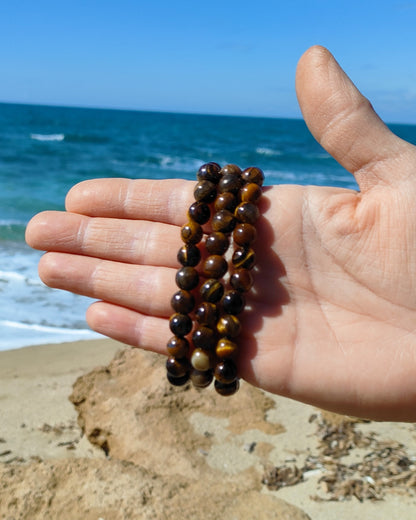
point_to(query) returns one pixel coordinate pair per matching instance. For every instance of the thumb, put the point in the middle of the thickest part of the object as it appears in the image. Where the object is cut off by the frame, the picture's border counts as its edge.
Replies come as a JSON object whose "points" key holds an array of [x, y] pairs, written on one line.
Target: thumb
{"points": [[345, 124]]}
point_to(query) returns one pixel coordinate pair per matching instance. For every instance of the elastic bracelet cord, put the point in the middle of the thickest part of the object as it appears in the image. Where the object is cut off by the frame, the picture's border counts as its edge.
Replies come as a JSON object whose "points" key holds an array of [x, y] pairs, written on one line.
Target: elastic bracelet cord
{"points": [[207, 349]]}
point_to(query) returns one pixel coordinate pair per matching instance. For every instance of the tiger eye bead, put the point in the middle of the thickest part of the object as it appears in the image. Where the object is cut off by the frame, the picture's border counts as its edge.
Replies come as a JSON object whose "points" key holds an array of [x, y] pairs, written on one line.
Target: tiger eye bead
{"points": [[226, 349], [217, 243], [250, 192], [178, 381], [229, 326], [226, 200], [191, 232], [209, 172], [233, 302], [247, 212], [207, 314], [187, 278], [212, 290], [180, 324], [215, 266], [205, 338], [226, 371], [199, 212], [231, 168], [227, 389], [253, 174], [201, 360], [223, 221], [230, 182], [178, 347], [177, 367], [205, 191], [244, 234], [189, 254], [201, 379], [243, 257], [241, 280], [183, 302]]}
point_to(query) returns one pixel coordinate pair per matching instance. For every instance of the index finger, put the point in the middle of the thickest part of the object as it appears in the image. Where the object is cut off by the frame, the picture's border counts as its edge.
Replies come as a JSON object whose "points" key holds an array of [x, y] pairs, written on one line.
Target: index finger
{"points": [[156, 200]]}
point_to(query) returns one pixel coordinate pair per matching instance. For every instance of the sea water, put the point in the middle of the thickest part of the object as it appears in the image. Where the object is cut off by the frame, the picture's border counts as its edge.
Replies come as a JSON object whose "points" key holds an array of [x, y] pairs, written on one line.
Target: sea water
{"points": [[46, 150]]}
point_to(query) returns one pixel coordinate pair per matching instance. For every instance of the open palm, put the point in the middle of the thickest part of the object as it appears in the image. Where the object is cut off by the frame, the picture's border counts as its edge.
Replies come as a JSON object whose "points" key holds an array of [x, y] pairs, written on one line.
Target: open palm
{"points": [[332, 318]]}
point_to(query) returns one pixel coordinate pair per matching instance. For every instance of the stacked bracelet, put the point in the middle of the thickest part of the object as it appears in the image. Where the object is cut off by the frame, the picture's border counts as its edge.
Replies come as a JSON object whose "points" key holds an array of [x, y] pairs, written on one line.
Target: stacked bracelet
{"points": [[214, 302]]}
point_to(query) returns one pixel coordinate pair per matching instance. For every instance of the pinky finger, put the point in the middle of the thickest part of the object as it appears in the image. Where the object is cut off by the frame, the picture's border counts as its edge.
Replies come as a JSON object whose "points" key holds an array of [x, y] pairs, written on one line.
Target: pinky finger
{"points": [[128, 326]]}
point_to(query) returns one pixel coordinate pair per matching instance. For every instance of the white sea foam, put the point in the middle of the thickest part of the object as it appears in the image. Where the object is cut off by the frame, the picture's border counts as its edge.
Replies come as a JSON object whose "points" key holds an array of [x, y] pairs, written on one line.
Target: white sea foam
{"points": [[263, 150], [47, 137]]}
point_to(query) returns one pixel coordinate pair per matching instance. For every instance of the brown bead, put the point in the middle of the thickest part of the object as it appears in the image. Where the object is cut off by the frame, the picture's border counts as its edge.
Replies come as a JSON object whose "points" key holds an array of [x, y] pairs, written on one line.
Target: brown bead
{"points": [[227, 389], [226, 371], [226, 349], [207, 314], [180, 324], [233, 302], [178, 381], [223, 221], [247, 212], [201, 379], [231, 168], [230, 182], [178, 347], [250, 192], [225, 200], [241, 280], [215, 266], [244, 257], [217, 243], [199, 212], [205, 338], [201, 360], [183, 302], [205, 191], [244, 234], [177, 367], [191, 232], [209, 172], [187, 278], [189, 254], [253, 174], [212, 290], [229, 326]]}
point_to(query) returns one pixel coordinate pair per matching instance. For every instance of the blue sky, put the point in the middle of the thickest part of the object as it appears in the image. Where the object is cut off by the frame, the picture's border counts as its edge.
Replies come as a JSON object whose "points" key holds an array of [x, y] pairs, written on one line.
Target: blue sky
{"points": [[218, 56]]}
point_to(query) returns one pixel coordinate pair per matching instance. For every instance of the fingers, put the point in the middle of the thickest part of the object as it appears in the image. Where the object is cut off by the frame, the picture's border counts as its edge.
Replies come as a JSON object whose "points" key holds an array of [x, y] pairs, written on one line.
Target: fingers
{"points": [[141, 288], [345, 124], [157, 200], [140, 242]]}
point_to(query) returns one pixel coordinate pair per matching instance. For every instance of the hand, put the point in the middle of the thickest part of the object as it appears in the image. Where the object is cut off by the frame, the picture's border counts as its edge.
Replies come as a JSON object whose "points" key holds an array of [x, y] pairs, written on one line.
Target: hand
{"points": [[333, 319]]}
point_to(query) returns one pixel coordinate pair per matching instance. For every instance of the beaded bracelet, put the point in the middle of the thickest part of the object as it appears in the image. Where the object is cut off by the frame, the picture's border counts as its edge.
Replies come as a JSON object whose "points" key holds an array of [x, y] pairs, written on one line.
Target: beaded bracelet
{"points": [[211, 352]]}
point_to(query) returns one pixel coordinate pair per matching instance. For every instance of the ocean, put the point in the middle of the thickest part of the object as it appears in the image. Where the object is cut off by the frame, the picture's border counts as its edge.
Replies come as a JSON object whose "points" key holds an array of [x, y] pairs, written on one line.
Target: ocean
{"points": [[46, 150]]}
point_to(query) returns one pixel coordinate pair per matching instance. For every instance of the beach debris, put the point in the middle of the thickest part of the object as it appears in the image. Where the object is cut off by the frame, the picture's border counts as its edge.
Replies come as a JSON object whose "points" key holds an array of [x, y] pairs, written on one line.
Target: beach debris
{"points": [[383, 466]]}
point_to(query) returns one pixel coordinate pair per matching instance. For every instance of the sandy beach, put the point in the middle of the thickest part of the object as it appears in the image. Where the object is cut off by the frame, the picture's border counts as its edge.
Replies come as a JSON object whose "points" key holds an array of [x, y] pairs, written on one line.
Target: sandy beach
{"points": [[92, 430]]}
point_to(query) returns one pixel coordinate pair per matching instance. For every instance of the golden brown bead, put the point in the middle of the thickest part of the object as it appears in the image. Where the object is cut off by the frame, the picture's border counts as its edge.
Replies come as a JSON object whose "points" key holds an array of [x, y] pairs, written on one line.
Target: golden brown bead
{"points": [[243, 257], [233, 302], [177, 367], [253, 174], [191, 232], [226, 349], [199, 212], [212, 290], [187, 278], [223, 221], [225, 371], [207, 314], [229, 326], [201, 379], [247, 212], [204, 337], [244, 234], [226, 200], [178, 347], [201, 360], [241, 280], [231, 168], [180, 324], [250, 192], [189, 254], [183, 302], [209, 172], [230, 182], [205, 191], [227, 389], [178, 381], [215, 266], [217, 243]]}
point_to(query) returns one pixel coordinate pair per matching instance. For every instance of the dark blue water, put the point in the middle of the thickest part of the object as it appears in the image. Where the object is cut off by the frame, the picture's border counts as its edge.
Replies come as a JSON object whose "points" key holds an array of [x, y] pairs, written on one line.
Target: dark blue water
{"points": [[46, 150]]}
